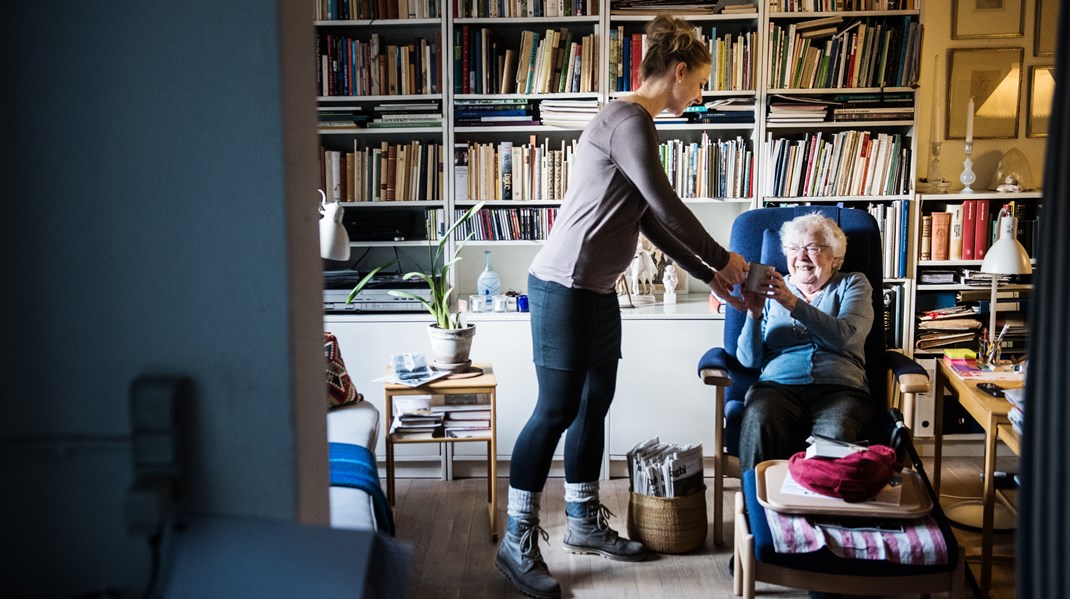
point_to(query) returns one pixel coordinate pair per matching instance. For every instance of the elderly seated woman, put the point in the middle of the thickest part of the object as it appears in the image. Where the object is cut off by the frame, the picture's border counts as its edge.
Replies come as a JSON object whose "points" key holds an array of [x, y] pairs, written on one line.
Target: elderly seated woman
{"points": [[806, 332]]}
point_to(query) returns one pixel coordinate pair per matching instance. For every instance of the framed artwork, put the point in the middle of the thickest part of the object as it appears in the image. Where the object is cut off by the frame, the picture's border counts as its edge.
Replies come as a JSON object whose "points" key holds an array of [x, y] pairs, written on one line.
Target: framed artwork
{"points": [[1041, 92], [1047, 27], [992, 77], [972, 19]]}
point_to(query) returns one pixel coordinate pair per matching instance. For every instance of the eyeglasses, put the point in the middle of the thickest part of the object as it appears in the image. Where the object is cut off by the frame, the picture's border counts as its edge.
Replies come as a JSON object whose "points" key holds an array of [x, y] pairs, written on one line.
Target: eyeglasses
{"points": [[812, 250]]}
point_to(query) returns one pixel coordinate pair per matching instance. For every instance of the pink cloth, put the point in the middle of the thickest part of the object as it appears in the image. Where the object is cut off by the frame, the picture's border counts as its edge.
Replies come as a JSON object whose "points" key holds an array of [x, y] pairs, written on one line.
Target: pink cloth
{"points": [[920, 541]]}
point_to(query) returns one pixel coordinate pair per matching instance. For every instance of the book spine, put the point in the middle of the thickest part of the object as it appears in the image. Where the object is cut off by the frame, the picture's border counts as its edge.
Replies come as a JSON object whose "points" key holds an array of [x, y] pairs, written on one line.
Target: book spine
{"points": [[941, 232], [980, 233]]}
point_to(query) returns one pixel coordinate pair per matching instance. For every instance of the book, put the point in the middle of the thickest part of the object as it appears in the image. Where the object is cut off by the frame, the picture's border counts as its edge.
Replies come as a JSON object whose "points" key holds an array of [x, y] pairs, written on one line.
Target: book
{"points": [[505, 170], [980, 232], [969, 224], [824, 447], [460, 171], [954, 240], [941, 232], [926, 243]]}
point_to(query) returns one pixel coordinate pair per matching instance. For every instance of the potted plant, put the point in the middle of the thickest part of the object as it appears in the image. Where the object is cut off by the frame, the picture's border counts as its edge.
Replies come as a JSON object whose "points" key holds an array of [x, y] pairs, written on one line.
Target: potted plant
{"points": [[450, 342]]}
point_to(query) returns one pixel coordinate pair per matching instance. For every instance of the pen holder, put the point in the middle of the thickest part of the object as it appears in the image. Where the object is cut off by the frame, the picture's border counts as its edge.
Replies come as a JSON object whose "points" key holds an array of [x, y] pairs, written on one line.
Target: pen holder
{"points": [[988, 355]]}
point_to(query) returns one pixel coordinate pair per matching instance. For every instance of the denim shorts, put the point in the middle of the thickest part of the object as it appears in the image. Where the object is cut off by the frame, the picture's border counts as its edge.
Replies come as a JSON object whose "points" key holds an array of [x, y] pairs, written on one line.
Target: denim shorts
{"points": [[571, 328]]}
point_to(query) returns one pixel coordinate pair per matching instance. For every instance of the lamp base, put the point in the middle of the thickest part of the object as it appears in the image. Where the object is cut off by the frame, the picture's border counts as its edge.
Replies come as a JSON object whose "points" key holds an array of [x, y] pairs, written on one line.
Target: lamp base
{"points": [[969, 515]]}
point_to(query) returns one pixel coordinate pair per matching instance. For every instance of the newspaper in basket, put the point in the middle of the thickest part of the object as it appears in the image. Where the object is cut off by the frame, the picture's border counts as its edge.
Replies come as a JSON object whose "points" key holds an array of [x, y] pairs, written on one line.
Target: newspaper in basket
{"points": [[667, 508]]}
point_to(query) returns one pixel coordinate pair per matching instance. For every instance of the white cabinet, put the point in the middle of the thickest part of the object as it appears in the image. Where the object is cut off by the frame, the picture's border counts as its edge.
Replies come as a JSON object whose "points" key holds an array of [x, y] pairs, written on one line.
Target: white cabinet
{"points": [[658, 390]]}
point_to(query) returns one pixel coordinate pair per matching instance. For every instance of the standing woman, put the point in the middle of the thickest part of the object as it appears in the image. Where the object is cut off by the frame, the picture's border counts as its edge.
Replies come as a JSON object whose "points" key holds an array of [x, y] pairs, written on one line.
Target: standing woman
{"points": [[618, 190]]}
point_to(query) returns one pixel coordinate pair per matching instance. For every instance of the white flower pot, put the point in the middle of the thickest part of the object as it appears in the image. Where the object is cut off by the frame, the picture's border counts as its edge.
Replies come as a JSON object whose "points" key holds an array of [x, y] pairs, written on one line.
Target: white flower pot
{"points": [[450, 348]]}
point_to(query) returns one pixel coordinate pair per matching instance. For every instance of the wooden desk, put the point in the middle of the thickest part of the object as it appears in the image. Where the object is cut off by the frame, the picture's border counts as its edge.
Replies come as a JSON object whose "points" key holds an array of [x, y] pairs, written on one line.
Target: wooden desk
{"points": [[482, 384], [990, 412]]}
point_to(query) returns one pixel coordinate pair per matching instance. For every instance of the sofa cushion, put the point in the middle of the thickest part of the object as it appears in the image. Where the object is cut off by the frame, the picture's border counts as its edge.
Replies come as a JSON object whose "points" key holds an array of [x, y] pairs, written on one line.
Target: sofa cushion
{"points": [[356, 423], [340, 388]]}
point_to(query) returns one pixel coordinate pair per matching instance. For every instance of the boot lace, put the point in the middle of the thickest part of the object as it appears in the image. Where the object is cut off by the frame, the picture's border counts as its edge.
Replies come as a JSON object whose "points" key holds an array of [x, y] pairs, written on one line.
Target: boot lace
{"points": [[602, 515], [529, 542]]}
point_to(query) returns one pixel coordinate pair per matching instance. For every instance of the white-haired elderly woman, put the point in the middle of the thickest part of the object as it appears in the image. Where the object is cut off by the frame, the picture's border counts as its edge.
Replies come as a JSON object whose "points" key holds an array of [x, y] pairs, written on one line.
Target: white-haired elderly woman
{"points": [[806, 332]]}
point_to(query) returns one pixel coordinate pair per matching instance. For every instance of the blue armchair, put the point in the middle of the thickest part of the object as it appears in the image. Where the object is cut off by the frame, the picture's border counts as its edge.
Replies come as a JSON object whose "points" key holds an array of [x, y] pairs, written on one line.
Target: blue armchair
{"points": [[756, 235]]}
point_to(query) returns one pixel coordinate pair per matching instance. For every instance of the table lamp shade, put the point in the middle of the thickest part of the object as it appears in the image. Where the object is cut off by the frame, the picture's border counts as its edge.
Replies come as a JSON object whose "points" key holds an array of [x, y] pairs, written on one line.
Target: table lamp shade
{"points": [[1007, 257], [334, 241]]}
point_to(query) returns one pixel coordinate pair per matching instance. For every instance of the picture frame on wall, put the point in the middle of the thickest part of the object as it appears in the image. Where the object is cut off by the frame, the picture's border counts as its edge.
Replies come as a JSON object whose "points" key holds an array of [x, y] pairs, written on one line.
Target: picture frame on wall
{"points": [[993, 78], [974, 19], [1047, 28], [1041, 94]]}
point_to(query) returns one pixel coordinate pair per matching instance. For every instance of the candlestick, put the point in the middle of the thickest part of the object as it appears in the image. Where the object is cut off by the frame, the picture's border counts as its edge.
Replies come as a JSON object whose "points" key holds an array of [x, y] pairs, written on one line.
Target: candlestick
{"points": [[967, 177], [935, 177], [969, 122]]}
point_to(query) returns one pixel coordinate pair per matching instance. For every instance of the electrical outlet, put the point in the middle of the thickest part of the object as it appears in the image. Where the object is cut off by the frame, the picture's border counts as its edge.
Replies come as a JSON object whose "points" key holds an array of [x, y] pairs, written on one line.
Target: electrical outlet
{"points": [[155, 402]]}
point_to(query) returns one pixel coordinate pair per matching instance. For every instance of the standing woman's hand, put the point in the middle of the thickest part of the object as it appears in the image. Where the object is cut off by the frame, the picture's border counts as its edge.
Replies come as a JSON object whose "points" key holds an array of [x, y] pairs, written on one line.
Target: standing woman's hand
{"points": [[733, 272]]}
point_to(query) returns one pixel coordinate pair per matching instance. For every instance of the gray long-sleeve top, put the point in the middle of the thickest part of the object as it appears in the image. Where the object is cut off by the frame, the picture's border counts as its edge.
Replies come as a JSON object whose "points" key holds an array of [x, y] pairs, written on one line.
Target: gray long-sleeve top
{"points": [[618, 189]]}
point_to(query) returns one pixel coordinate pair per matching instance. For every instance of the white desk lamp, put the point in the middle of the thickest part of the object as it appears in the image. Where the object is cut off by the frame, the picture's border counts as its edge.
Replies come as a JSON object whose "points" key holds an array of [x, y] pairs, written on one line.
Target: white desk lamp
{"points": [[334, 241], [1005, 257]]}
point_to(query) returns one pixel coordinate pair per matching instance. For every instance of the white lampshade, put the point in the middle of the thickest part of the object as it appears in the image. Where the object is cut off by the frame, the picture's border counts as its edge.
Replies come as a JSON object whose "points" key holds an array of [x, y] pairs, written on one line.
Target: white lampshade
{"points": [[334, 241], [1006, 256]]}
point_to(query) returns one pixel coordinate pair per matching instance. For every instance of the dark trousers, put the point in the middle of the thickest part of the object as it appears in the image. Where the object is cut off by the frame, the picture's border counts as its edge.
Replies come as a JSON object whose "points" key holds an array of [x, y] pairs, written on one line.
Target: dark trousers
{"points": [[576, 401], [777, 418]]}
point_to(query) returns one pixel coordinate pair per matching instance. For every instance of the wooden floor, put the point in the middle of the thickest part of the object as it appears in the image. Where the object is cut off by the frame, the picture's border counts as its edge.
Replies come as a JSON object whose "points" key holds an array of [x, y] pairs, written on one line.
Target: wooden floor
{"points": [[445, 523]]}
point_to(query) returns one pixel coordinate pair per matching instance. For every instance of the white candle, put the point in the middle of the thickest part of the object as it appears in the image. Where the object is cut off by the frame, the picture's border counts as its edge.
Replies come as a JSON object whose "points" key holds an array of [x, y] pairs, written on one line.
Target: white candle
{"points": [[934, 126], [969, 121]]}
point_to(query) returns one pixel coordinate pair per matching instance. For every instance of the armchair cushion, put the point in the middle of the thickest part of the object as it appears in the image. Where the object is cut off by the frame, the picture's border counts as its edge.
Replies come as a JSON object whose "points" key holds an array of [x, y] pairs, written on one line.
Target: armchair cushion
{"points": [[824, 560]]}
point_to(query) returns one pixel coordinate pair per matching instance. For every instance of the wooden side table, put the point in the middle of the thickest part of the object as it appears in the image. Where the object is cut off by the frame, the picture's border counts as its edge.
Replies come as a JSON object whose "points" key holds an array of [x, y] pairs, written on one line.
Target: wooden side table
{"points": [[482, 384], [991, 413]]}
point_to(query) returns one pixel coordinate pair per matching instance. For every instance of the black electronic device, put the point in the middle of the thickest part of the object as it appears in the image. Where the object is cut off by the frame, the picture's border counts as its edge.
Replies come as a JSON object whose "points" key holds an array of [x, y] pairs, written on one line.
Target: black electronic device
{"points": [[385, 225], [991, 388]]}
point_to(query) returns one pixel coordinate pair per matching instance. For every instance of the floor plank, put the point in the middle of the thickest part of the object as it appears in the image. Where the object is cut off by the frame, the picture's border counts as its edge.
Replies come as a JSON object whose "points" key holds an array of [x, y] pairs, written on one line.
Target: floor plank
{"points": [[445, 522]]}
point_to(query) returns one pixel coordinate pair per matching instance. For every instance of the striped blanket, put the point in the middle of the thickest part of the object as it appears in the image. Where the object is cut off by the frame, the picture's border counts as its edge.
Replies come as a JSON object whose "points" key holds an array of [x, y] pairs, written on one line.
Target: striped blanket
{"points": [[917, 541]]}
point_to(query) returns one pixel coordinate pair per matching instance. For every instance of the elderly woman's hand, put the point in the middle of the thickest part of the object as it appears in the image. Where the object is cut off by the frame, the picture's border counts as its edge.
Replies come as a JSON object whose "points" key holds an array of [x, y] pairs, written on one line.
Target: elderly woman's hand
{"points": [[772, 287], [778, 290]]}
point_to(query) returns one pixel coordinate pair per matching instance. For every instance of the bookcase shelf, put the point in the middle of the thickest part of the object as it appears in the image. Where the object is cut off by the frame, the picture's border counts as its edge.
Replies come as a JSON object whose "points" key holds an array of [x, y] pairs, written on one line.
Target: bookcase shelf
{"points": [[935, 295], [854, 13], [747, 41]]}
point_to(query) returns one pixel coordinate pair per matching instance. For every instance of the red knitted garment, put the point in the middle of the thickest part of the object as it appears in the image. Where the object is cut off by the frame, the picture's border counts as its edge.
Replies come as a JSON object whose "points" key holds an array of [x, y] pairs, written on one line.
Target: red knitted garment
{"points": [[854, 477]]}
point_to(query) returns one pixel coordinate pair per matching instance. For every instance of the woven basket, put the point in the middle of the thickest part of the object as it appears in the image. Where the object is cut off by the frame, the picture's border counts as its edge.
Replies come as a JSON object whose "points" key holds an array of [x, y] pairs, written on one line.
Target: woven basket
{"points": [[668, 524]]}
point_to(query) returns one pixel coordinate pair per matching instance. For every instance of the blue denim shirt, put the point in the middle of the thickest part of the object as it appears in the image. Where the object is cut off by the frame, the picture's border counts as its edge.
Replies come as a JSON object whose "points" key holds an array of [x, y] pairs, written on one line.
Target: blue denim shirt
{"points": [[821, 342]]}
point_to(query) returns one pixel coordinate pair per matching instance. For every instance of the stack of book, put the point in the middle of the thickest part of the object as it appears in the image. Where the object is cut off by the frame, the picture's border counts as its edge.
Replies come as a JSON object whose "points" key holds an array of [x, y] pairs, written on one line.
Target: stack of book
{"points": [[406, 114], [494, 112], [463, 421], [737, 7], [729, 110], [939, 333], [568, 113], [647, 7], [822, 27], [873, 113], [413, 419], [797, 112], [341, 117]]}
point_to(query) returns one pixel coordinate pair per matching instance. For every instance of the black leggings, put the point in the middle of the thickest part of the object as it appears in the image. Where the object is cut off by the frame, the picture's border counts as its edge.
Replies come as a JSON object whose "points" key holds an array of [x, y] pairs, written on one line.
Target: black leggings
{"points": [[572, 400]]}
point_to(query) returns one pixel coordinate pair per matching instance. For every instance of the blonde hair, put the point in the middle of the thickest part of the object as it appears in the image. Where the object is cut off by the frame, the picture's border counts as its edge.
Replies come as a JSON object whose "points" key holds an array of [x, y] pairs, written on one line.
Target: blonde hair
{"points": [[670, 40]]}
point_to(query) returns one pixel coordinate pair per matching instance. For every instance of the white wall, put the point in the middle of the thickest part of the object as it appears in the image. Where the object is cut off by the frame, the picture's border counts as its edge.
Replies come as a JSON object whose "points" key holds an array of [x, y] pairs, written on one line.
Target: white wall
{"points": [[159, 218], [986, 152]]}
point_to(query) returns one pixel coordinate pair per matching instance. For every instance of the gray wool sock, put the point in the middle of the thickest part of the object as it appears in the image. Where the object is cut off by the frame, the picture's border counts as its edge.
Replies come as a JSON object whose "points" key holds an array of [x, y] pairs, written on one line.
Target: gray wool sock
{"points": [[581, 492], [523, 505]]}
